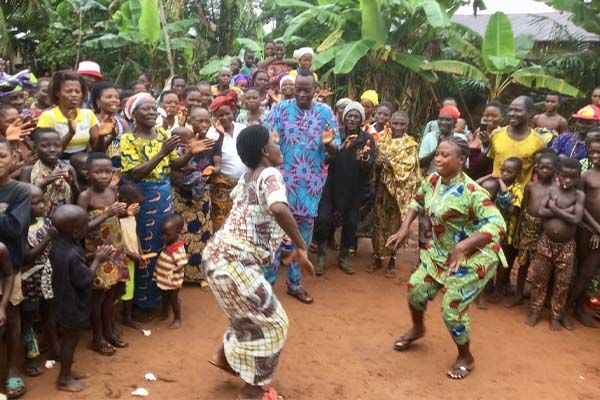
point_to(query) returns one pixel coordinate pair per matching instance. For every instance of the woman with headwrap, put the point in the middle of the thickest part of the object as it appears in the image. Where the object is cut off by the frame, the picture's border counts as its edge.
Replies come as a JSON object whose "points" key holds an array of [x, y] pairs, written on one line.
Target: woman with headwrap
{"points": [[232, 167], [348, 181], [13, 90], [394, 181], [287, 87], [304, 56], [146, 157], [369, 100], [242, 82]]}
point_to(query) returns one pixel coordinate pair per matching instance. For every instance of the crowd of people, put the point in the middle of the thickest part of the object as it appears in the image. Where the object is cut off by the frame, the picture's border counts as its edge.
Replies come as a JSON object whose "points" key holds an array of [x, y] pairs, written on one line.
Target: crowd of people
{"points": [[114, 197]]}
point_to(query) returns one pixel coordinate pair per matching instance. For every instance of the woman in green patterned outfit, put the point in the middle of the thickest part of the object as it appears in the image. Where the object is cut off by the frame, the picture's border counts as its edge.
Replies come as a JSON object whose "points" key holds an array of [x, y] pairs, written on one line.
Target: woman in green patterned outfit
{"points": [[458, 253]]}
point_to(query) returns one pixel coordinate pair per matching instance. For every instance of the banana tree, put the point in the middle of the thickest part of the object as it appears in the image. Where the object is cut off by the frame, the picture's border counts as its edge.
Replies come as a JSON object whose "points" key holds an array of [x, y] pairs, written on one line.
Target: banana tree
{"points": [[501, 62]]}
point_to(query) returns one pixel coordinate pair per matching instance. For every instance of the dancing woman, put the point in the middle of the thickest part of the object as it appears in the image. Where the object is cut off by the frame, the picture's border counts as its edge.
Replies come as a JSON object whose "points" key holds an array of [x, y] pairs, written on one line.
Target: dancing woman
{"points": [[233, 262], [460, 251]]}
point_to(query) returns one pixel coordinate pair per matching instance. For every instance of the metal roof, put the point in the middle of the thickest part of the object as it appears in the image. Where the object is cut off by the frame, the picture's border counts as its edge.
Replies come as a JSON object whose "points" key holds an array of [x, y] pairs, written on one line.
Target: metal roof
{"points": [[545, 27]]}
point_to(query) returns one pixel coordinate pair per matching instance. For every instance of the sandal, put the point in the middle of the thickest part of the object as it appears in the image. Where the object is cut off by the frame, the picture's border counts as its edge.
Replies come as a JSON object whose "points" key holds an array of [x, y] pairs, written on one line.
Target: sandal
{"points": [[301, 295], [15, 387], [103, 349], [460, 372], [404, 342], [118, 342]]}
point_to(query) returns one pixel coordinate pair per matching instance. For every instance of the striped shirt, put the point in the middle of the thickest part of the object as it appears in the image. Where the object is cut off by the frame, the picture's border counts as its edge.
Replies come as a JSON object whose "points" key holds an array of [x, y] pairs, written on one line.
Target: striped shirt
{"points": [[169, 270]]}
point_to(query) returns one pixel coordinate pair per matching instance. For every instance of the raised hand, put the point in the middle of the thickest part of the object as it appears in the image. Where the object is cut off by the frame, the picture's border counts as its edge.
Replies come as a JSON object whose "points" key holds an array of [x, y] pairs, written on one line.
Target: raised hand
{"points": [[116, 208], [170, 144], [397, 239], [182, 117], [103, 253], [198, 146], [107, 126], [208, 171], [71, 116], [348, 141], [19, 129], [327, 136], [365, 150], [133, 209], [219, 127]]}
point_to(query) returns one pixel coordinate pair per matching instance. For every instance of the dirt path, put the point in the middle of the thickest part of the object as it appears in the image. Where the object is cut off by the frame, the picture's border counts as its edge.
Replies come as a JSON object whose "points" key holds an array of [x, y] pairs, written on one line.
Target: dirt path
{"points": [[341, 348]]}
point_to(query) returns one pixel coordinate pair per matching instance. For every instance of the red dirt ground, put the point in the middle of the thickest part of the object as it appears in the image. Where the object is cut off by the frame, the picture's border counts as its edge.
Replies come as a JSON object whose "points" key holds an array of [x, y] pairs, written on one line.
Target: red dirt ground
{"points": [[341, 348]]}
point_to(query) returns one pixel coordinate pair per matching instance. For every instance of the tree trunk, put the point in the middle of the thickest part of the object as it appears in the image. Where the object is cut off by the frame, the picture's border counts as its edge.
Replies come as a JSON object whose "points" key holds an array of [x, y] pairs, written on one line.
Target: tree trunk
{"points": [[163, 22]]}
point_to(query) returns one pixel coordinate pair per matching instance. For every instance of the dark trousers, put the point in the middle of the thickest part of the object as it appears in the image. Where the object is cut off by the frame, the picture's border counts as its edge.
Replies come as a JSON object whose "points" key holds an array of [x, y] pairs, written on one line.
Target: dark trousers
{"points": [[324, 222]]}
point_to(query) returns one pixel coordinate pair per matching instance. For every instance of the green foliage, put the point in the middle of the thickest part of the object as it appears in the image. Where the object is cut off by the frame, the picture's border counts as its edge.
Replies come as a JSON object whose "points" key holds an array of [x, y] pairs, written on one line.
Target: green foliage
{"points": [[149, 22]]}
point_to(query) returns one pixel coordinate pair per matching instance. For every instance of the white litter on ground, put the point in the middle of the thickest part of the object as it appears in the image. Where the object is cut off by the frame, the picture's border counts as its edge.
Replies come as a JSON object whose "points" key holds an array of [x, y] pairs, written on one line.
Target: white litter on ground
{"points": [[150, 377], [141, 392], [147, 332], [50, 364]]}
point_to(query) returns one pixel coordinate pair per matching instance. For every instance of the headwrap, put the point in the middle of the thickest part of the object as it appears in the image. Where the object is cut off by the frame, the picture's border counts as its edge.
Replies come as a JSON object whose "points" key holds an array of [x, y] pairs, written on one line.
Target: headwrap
{"points": [[286, 78], [343, 102], [11, 84], [230, 99], [370, 95], [134, 102], [242, 77], [302, 52], [354, 106], [451, 111], [589, 112]]}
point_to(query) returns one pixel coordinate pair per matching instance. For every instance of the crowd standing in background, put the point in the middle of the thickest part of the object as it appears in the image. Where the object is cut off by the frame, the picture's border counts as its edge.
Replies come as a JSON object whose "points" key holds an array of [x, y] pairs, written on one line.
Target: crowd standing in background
{"points": [[113, 197]]}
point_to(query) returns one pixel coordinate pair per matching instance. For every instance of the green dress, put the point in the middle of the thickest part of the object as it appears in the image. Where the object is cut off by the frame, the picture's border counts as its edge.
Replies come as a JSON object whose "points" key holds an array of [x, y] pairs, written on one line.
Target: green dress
{"points": [[452, 213]]}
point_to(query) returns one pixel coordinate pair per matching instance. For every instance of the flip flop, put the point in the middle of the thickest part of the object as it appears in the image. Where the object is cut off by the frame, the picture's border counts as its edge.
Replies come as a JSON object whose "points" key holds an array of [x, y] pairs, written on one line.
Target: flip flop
{"points": [[104, 350], [460, 372], [32, 369], [15, 387], [118, 342], [404, 342]]}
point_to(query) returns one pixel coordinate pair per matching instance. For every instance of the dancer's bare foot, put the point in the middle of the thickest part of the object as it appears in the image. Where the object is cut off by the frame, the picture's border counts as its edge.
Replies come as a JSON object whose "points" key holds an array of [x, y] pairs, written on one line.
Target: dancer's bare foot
{"points": [[71, 384], [533, 319], [555, 325], [176, 324]]}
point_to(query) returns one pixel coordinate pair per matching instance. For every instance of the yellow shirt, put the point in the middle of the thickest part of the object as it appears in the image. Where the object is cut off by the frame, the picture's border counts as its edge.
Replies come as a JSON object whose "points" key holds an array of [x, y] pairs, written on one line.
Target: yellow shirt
{"points": [[502, 146], [136, 150], [84, 121], [294, 73]]}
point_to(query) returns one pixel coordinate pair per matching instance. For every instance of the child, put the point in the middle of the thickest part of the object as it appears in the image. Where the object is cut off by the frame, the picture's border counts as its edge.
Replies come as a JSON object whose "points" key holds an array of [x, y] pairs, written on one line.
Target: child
{"points": [[170, 268], [36, 277], [131, 195], [100, 201], [194, 204], [78, 162], [530, 223], [15, 211], [56, 178], [253, 114], [72, 284], [588, 239], [383, 113], [507, 194], [556, 249]]}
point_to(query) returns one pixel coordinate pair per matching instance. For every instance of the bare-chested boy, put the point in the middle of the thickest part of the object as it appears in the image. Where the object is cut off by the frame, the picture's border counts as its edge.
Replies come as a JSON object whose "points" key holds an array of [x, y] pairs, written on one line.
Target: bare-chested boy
{"points": [[588, 239], [530, 223], [556, 249], [550, 119]]}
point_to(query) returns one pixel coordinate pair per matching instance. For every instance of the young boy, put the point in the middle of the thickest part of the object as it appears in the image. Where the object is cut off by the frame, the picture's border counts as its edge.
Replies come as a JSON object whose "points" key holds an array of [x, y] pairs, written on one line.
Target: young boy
{"points": [[72, 285], [36, 276], [131, 195], [507, 193], [100, 201], [588, 239], [78, 162], [170, 268], [530, 223], [556, 249], [56, 178], [550, 119], [15, 211]]}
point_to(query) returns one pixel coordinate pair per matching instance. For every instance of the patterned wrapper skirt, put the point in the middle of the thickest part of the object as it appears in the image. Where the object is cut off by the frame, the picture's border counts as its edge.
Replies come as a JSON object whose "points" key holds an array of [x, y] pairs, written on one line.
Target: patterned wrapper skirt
{"points": [[158, 204], [220, 192], [197, 230], [258, 323]]}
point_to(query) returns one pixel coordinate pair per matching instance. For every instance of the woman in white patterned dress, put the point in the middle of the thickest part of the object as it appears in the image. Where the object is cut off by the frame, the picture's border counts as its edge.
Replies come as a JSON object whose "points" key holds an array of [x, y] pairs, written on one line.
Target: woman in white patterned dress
{"points": [[233, 262]]}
